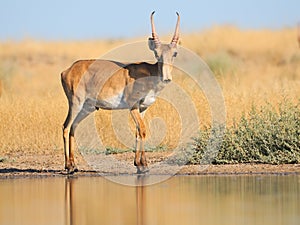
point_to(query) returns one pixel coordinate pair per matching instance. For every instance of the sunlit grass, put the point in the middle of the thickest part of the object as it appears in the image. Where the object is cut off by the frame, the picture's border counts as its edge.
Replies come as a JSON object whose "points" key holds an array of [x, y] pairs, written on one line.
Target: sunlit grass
{"points": [[252, 68]]}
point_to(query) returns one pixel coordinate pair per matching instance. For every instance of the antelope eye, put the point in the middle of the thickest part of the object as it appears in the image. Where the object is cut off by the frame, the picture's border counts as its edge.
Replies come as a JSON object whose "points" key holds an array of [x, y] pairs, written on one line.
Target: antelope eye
{"points": [[175, 54]]}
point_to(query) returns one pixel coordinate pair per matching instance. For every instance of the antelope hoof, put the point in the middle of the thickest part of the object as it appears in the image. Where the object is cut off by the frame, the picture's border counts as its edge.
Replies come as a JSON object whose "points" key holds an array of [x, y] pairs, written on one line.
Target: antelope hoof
{"points": [[71, 169], [142, 169]]}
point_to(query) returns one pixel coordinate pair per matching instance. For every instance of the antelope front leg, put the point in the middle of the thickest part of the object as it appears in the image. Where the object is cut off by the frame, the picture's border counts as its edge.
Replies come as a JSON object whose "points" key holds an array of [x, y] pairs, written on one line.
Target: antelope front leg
{"points": [[137, 156], [143, 159], [140, 158]]}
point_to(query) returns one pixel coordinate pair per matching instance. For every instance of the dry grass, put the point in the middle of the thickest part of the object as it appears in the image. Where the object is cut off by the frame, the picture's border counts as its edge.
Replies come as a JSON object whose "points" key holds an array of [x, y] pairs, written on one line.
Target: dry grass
{"points": [[252, 67]]}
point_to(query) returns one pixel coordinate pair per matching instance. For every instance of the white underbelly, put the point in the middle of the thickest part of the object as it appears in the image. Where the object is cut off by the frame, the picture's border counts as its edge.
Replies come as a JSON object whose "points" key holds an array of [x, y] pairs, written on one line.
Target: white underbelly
{"points": [[114, 102], [149, 99], [118, 101]]}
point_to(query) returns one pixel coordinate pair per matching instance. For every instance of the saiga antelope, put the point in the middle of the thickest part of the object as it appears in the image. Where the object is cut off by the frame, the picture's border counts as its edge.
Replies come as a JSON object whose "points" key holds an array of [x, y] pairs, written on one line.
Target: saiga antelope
{"points": [[93, 84]]}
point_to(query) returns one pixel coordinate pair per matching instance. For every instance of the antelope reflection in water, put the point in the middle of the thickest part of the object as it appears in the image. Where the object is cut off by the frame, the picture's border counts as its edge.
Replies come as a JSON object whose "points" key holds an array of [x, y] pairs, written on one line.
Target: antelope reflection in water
{"points": [[140, 199], [86, 211], [69, 201]]}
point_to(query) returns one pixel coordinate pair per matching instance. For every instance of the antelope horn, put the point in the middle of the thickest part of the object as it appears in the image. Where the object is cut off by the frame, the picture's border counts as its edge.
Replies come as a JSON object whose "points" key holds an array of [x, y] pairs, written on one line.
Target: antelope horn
{"points": [[154, 35], [176, 34]]}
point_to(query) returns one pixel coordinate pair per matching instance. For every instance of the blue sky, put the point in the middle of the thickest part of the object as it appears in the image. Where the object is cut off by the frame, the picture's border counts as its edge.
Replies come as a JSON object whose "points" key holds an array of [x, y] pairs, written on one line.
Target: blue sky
{"points": [[94, 19]]}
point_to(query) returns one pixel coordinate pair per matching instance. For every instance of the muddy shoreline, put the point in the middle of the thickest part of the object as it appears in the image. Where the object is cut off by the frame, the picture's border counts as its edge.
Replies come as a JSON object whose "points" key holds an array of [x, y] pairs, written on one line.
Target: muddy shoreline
{"points": [[51, 165], [188, 170]]}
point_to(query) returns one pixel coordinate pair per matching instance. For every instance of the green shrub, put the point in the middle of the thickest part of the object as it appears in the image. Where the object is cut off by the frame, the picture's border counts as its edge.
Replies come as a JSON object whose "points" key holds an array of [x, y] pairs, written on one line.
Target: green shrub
{"points": [[266, 135]]}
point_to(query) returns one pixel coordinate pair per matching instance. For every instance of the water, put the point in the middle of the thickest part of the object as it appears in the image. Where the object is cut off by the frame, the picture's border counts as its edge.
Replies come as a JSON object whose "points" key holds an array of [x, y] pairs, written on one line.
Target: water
{"points": [[179, 200]]}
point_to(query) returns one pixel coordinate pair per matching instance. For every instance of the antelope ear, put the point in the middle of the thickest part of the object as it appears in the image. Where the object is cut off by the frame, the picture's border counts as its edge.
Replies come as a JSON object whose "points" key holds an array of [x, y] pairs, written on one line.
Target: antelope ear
{"points": [[151, 44]]}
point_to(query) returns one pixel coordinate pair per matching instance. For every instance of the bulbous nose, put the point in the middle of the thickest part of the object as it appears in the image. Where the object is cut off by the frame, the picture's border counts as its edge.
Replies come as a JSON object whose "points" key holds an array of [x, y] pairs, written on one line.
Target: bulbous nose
{"points": [[167, 76], [167, 80]]}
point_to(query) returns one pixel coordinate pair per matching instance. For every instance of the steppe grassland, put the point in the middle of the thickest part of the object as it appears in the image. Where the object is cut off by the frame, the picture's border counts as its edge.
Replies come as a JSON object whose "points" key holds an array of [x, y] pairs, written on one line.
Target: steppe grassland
{"points": [[252, 68]]}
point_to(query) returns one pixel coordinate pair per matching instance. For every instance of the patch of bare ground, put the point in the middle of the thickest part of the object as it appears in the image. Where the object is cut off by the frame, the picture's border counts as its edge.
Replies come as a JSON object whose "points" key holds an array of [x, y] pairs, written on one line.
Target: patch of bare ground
{"points": [[19, 165]]}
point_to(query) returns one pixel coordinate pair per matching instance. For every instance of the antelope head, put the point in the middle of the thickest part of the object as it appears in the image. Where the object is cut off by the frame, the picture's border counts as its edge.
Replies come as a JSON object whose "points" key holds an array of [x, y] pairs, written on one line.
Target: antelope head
{"points": [[164, 53]]}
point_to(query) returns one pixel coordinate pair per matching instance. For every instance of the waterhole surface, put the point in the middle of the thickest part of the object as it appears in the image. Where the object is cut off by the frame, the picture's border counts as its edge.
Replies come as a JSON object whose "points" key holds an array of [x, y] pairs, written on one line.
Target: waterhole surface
{"points": [[179, 200]]}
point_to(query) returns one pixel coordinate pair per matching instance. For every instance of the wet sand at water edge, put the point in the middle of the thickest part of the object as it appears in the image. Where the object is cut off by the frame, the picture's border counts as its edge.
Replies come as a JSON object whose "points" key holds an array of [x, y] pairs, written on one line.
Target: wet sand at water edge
{"points": [[47, 165]]}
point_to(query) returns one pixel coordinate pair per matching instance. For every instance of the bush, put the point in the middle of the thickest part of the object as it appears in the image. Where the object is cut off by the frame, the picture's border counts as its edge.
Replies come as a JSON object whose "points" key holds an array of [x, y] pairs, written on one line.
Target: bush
{"points": [[264, 136]]}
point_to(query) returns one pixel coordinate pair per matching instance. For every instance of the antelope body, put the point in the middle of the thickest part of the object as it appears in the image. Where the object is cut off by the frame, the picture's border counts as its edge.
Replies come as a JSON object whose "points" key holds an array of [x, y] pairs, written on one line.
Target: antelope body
{"points": [[93, 84]]}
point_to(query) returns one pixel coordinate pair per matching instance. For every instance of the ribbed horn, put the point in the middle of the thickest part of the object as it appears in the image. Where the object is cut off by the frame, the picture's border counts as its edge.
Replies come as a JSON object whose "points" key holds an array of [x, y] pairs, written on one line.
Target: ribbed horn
{"points": [[176, 34], [154, 35]]}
